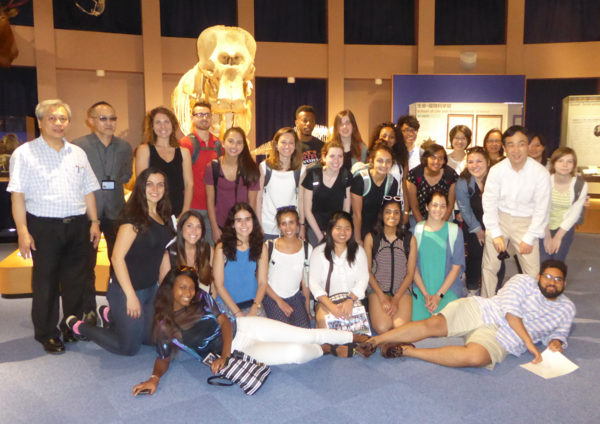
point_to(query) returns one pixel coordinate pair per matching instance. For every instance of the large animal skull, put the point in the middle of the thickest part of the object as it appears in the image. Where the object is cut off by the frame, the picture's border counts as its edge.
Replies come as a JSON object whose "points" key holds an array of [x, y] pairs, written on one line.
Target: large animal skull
{"points": [[222, 77]]}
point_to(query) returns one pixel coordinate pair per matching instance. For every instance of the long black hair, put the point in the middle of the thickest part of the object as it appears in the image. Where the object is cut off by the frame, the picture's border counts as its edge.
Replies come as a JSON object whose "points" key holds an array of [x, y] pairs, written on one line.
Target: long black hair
{"points": [[400, 154], [379, 227], [135, 211], [202, 258], [351, 244], [229, 239]]}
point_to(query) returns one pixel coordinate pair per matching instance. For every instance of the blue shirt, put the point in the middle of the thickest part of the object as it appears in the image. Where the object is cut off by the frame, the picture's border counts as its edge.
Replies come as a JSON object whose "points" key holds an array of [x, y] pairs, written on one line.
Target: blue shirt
{"points": [[240, 277]]}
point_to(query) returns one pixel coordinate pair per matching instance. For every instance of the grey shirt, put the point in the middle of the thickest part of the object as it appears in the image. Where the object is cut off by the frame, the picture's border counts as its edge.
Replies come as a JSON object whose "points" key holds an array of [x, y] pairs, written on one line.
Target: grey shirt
{"points": [[115, 163]]}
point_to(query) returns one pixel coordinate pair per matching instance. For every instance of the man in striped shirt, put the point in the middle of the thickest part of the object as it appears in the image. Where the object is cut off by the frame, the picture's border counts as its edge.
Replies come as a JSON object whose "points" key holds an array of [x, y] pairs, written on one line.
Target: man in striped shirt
{"points": [[525, 311]]}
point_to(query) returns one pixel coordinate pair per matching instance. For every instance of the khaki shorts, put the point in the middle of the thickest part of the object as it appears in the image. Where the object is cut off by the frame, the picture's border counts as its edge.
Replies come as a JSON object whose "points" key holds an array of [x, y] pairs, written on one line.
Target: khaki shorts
{"points": [[463, 318]]}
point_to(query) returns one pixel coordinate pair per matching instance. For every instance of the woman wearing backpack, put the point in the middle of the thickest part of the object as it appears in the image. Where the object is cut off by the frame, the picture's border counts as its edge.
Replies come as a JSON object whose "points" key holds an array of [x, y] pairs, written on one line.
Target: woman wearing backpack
{"points": [[232, 178], [440, 260], [369, 186], [288, 297], [280, 178], [568, 197], [392, 257], [345, 132], [327, 191]]}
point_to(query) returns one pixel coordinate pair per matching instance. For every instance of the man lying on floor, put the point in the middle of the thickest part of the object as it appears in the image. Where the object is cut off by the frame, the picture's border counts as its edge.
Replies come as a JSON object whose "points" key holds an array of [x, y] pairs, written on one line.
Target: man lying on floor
{"points": [[523, 313]]}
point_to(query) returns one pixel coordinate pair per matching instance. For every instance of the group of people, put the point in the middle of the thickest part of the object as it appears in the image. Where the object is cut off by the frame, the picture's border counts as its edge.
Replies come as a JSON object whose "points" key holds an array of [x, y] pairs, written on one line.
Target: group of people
{"points": [[213, 252]]}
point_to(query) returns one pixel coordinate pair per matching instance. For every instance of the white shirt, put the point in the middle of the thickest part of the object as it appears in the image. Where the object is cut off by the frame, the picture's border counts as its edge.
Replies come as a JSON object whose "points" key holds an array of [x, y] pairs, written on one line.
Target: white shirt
{"points": [[414, 157], [344, 278], [54, 183], [456, 165], [522, 194], [286, 271]]}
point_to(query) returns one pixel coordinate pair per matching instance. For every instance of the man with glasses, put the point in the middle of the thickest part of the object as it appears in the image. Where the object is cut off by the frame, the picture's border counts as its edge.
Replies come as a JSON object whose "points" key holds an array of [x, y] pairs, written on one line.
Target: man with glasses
{"points": [[525, 311], [311, 146], [409, 126], [204, 147], [111, 159], [52, 186]]}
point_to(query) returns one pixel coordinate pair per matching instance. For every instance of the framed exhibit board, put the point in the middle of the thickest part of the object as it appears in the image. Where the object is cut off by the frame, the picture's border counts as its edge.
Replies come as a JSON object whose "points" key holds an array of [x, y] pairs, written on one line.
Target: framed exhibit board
{"points": [[580, 128]]}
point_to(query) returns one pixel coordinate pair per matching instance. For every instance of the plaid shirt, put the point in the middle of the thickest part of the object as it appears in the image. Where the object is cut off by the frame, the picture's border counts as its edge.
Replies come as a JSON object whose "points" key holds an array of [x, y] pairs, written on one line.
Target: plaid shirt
{"points": [[54, 183], [544, 320]]}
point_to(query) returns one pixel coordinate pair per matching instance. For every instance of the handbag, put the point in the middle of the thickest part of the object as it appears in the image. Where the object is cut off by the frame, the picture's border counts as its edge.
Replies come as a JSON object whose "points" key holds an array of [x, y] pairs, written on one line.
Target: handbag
{"points": [[338, 297], [243, 370]]}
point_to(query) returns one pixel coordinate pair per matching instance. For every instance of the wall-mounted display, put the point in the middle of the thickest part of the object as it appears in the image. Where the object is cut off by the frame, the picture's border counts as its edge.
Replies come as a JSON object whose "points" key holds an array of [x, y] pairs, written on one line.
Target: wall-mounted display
{"points": [[580, 128]]}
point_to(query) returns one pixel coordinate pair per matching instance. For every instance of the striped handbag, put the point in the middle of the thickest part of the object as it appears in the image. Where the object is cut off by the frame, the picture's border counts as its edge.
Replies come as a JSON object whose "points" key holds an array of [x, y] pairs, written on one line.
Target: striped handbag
{"points": [[243, 370]]}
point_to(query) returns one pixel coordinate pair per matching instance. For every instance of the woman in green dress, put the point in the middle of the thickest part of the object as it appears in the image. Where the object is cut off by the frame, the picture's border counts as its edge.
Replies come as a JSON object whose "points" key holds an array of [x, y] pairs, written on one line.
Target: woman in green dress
{"points": [[440, 262]]}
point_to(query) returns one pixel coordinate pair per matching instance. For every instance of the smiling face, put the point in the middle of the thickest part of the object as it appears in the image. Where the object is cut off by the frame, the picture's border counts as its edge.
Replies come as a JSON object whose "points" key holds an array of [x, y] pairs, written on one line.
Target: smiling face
{"points": [[155, 188], [477, 165], [184, 291], [564, 165], [409, 133], [234, 144], [345, 127], [517, 148], [494, 143], [342, 231], [286, 145], [389, 135], [459, 142], [334, 158], [288, 225], [306, 123], [392, 215], [103, 119], [436, 162], [202, 118], [382, 162], [162, 126], [536, 149], [192, 230], [242, 223], [437, 208], [54, 123], [548, 285]]}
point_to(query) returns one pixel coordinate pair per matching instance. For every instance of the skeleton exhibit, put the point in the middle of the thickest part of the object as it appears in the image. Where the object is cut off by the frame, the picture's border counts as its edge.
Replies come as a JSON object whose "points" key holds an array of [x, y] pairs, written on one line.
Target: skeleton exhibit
{"points": [[222, 77]]}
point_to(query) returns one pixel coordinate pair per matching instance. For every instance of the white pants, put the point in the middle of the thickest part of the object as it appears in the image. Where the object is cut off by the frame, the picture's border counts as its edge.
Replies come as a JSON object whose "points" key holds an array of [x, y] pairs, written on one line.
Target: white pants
{"points": [[275, 343]]}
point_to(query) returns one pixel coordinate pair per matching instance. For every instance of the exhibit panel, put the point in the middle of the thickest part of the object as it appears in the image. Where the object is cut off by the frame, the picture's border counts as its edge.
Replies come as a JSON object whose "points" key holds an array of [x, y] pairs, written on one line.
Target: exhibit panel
{"points": [[581, 128]]}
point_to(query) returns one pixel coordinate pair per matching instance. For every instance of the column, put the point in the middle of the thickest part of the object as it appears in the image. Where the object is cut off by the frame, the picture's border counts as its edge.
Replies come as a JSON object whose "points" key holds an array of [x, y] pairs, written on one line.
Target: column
{"points": [[152, 49], [335, 68], [425, 36], [515, 33], [45, 50], [246, 21]]}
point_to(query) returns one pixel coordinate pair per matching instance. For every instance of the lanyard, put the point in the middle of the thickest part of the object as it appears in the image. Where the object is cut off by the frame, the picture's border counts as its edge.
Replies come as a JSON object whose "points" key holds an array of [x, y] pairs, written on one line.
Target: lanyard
{"points": [[102, 162]]}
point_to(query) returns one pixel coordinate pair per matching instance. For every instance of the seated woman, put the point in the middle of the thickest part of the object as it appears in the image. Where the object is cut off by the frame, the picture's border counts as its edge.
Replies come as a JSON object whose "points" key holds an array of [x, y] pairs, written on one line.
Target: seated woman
{"points": [[187, 318], [441, 259], [241, 264], [190, 248], [338, 268], [392, 257], [369, 186], [568, 197], [144, 232], [288, 297]]}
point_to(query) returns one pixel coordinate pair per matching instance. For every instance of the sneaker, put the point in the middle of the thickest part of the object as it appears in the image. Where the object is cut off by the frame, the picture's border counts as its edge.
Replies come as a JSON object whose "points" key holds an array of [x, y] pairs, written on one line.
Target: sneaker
{"points": [[91, 318], [71, 322], [103, 312]]}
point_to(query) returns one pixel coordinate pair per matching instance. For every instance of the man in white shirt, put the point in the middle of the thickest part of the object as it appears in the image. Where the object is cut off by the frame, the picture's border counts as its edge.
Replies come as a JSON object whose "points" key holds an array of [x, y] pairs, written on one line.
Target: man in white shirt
{"points": [[409, 126], [516, 207]]}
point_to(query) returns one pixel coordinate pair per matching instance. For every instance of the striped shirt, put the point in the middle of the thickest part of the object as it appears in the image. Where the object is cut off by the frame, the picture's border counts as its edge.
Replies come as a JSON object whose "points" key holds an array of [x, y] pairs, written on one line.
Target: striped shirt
{"points": [[560, 205], [545, 320], [389, 265], [54, 183]]}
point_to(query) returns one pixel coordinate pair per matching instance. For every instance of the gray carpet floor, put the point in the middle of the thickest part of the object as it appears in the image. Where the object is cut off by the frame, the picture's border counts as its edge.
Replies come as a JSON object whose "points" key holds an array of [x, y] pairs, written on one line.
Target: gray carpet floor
{"points": [[88, 384]]}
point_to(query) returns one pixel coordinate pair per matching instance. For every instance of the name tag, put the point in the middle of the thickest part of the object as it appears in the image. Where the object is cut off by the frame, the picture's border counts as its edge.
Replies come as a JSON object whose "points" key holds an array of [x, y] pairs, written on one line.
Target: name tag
{"points": [[108, 185]]}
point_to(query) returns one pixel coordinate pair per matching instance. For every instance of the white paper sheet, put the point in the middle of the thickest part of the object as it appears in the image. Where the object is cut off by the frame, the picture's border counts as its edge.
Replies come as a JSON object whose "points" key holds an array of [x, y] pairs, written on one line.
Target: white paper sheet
{"points": [[554, 364]]}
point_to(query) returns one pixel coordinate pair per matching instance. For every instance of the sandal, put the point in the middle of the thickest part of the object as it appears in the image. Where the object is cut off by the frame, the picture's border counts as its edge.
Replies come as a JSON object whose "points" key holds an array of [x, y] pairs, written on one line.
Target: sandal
{"points": [[351, 350], [394, 350], [366, 349]]}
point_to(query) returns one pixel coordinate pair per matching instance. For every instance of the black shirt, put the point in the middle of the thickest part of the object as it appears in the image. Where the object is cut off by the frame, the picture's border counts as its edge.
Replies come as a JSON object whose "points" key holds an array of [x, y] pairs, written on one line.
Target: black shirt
{"points": [[326, 200], [372, 201], [311, 150]]}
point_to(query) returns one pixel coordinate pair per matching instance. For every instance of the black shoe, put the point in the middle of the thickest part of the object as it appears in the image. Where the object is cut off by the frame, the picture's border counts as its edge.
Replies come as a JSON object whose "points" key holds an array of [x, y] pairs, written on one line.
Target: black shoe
{"points": [[69, 337], [54, 347], [101, 312], [91, 318]]}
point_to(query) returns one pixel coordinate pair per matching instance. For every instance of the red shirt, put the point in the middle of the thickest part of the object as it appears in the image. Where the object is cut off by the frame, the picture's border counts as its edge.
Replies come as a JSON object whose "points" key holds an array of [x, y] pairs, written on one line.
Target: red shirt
{"points": [[205, 156]]}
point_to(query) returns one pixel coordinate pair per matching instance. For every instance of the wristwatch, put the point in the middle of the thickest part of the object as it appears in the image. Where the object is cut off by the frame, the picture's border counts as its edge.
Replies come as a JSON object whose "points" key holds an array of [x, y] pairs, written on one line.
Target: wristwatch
{"points": [[441, 295]]}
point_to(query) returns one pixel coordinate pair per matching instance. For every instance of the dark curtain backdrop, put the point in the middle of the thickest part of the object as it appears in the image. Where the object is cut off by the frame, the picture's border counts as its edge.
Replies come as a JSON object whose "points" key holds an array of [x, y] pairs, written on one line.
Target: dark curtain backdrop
{"points": [[561, 21], [303, 21], [18, 91], [277, 101], [470, 22], [390, 22], [188, 18], [121, 16], [544, 98], [25, 16]]}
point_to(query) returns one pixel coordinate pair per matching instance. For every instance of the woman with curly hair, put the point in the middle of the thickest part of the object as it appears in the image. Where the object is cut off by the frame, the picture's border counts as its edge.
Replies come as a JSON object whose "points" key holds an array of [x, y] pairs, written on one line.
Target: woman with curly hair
{"points": [[240, 266], [232, 178], [345, 132], [187, 318], [160, 149], [145, 229]]}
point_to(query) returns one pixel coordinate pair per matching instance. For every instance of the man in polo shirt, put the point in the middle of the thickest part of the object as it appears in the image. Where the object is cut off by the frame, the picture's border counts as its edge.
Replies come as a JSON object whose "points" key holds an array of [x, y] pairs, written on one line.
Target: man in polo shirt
{"points": [[525, 311], [111, 159], [516, 208], [52, 186], [311, 146], [207, 148]]}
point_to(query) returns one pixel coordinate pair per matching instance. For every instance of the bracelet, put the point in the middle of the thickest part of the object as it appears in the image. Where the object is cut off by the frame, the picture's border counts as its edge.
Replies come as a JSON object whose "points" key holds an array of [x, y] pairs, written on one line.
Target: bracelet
{"points": [[95, 221], [238, 312], [302, 223], [258, 305], [155, 376], [406, 213], [350, 298]]}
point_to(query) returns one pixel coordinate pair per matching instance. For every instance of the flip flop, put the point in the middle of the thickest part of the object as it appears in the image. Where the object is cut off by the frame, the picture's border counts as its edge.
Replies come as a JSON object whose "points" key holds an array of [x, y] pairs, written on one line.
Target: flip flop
{"points": [[351, 350]]}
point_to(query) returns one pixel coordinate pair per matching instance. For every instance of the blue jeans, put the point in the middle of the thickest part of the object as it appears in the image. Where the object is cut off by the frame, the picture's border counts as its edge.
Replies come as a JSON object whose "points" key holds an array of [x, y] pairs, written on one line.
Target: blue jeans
{"points": [[126, 335], [565, 245]]}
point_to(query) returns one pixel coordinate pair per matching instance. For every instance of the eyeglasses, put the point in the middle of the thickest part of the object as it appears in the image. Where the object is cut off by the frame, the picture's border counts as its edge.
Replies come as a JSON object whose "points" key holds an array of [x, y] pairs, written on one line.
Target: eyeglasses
{"points": [[61, 119], [559, 280], [202, 115], [103, 118], [409, 131], [494, 142], [475, 149]]}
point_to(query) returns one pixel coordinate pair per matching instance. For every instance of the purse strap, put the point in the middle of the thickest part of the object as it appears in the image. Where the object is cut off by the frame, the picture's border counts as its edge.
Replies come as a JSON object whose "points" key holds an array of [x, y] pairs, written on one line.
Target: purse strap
{"points": [[328, 283], [219, 380]]}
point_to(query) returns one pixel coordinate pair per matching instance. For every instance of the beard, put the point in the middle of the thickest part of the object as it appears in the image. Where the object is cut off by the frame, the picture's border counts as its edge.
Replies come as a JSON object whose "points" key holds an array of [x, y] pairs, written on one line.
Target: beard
{"points": [[550, 295]]}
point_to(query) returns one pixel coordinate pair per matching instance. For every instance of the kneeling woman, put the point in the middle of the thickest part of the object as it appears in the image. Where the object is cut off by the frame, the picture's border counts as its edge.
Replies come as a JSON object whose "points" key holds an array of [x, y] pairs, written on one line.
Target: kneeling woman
{"points": [[392, 255], [338, 270], [188, 318], [441, 259]]}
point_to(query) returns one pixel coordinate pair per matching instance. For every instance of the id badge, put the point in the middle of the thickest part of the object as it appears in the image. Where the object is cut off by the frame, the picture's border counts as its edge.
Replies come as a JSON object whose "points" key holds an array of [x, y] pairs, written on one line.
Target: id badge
{"points": [[108, 185]]}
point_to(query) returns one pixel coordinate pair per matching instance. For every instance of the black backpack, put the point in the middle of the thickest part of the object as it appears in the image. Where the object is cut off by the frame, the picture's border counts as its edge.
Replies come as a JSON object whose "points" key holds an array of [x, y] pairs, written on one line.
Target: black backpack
{"points": [[318, 178], [197, 148], [216, 170], [269, 172]]}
